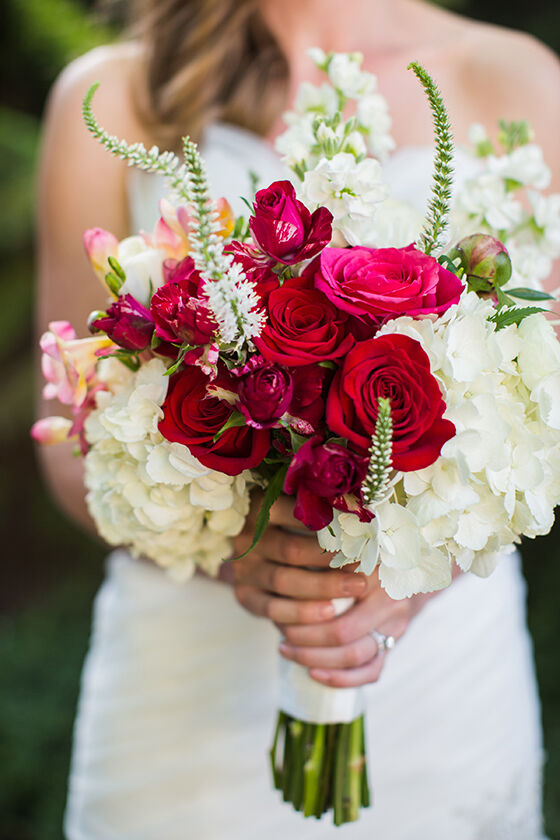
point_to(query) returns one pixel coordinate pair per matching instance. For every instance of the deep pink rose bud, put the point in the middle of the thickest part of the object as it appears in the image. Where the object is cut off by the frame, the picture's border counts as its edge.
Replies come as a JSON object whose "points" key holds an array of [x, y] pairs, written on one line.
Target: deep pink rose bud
{"points": [[128, 323], [485, 260], [265, 395], [284, 229], [179, 308], [319, 474]]}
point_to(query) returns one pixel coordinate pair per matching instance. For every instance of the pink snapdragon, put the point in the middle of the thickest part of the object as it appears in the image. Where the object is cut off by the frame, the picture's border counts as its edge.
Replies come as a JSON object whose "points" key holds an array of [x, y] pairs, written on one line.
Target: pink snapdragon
{"points": [[100, 245], [68, 363], [51, 430]]}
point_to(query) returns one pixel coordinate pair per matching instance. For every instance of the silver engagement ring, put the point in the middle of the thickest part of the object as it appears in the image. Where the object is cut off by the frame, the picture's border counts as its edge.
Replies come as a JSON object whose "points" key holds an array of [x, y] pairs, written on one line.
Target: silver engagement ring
{"points": [[383, 642]]}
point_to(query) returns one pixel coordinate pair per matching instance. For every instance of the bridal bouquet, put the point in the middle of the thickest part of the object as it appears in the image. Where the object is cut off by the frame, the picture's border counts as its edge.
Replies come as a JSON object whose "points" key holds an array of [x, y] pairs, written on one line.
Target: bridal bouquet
{"points": [[396, 390]]}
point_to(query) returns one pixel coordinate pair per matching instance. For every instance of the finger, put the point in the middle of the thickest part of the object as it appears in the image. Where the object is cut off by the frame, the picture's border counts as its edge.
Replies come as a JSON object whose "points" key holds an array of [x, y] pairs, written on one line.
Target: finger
{"points": [[307, 585], [292, 549], [374, 612], [349, 677], [282, 610], [282, 513], [348, 656]]}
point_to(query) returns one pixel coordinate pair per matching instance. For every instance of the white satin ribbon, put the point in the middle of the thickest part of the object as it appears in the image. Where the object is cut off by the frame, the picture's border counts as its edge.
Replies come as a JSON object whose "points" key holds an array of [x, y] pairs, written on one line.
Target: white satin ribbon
{"points": [[306, 699]]}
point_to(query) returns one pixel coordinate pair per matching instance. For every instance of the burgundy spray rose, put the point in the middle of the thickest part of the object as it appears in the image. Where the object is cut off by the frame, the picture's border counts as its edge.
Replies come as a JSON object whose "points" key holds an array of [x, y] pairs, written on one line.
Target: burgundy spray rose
{"points": [[396, 367], [128, 323], [193, 413], [284, 229], [179, 308], [265, 394], [378, 284], [318, 474], [303, 326]]}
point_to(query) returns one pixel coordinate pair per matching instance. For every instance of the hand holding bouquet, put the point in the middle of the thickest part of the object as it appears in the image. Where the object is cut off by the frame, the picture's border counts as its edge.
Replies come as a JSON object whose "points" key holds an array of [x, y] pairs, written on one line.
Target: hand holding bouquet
{"points": [[415, 422]]}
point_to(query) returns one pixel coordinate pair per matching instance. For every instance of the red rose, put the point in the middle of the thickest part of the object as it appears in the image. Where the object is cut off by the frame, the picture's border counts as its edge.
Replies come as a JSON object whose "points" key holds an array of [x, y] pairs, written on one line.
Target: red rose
{"points": [[307, 409], [179, 307], [192, 416], [283, 227], [318, 474], [396, 367], [383, 283], [303, 326]]}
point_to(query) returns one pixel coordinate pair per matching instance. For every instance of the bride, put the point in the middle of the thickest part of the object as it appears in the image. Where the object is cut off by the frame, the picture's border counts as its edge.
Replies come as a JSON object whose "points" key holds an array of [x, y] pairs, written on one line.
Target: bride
{"points": [[178, 690]]}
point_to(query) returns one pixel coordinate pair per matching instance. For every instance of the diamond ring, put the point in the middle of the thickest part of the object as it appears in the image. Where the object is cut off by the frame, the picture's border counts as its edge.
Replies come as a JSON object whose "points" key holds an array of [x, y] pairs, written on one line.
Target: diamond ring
{"points": [[384, 643]]}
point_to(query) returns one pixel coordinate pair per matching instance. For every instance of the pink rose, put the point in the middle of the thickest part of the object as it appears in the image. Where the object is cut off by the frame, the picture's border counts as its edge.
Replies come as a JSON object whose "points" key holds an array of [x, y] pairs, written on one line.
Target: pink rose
{"points": [[383, 283], [284, 229]]}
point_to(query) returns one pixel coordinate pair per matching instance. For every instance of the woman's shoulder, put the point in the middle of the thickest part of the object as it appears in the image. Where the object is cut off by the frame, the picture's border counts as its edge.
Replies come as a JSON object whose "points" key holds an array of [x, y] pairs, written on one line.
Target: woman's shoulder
{"points": [[117, 68]]}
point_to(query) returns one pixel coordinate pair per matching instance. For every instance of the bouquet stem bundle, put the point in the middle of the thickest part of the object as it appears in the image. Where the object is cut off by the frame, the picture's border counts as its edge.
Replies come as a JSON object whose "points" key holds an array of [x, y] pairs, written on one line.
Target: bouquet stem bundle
{"points": [[321, 766]]}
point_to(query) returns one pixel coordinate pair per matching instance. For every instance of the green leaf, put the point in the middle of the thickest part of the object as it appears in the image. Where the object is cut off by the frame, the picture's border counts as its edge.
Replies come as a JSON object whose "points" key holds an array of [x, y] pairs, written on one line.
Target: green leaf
{"points": [[503, 299], [529, 294], [296, 440], [273, 492], [249, 205], [234, 420], [447, 262], [513, 315]]}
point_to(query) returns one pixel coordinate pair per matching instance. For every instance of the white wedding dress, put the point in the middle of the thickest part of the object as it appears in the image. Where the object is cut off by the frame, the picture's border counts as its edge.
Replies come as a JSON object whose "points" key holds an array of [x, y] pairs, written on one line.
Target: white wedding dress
{"points": [[178, 697]]}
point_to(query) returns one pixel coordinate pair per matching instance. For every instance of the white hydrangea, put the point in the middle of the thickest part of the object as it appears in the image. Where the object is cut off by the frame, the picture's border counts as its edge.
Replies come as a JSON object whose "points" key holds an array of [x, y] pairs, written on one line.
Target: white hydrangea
{"points": [[498, 478], [151, 494]]}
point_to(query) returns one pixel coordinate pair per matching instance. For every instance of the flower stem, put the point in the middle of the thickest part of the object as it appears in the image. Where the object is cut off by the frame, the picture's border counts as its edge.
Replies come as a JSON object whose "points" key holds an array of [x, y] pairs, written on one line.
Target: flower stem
{"points": [[320, 766]]}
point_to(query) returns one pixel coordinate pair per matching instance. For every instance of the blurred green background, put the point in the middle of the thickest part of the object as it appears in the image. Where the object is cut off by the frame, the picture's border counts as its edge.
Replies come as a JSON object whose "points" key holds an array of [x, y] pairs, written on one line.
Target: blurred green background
{"points": [[50, 571]]}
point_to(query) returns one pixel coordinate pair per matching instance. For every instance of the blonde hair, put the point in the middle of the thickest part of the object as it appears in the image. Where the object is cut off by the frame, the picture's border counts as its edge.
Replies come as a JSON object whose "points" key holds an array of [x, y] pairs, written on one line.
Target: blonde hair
{"points": [[206, 60]]}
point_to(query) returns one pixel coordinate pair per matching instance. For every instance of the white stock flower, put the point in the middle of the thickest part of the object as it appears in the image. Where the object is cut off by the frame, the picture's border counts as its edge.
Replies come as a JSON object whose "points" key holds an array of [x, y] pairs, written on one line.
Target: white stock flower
{"points": [[530, 266], [485, 198], [350, 190], [524, 165], [318, 99], [296, 142], [546, 212], [373, 116], [345, 75], [142, 266], [396, 224]]}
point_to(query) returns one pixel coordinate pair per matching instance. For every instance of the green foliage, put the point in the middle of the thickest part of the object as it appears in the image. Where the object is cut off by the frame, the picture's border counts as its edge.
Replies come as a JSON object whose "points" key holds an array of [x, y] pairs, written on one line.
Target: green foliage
{"points": [[439, 206]]}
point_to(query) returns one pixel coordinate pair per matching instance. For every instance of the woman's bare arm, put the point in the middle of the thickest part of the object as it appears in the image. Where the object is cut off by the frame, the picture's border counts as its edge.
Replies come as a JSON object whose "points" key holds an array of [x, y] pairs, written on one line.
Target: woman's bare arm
{"points": [[80, 186]]}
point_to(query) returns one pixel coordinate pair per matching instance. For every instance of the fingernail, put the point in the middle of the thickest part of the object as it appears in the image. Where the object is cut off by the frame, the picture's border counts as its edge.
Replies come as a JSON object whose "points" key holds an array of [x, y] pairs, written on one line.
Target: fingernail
{"points": [[284, 649], [326, 611]]}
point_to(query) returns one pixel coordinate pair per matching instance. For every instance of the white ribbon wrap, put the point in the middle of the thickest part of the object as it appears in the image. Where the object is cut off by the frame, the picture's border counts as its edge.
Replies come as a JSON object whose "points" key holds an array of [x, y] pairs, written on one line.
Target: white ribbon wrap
{"points": [[306, 699]]}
